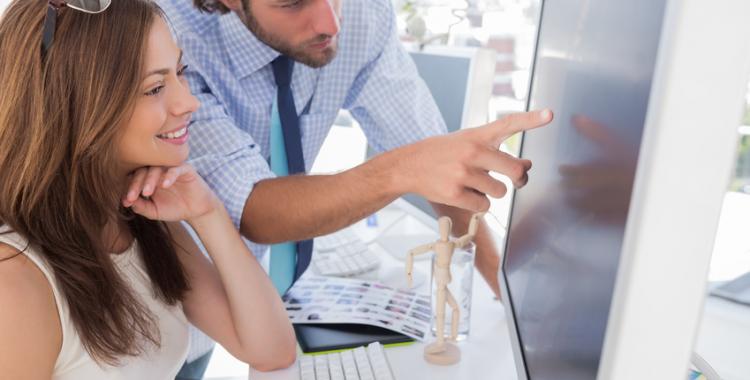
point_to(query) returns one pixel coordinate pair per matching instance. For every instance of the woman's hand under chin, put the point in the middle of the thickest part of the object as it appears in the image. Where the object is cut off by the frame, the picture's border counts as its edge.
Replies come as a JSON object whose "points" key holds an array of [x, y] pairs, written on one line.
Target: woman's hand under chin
{"points": [[170, 194]]}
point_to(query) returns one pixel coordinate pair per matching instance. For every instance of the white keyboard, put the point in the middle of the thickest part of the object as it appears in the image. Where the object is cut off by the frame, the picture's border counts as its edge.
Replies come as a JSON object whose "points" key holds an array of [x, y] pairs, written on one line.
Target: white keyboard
{"points": [[359, 364], [343, 254]]}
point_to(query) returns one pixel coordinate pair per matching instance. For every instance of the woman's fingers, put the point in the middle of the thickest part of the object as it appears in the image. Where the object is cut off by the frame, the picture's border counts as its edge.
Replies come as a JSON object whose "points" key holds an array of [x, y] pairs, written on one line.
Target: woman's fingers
{"points": [[172, 175], [136, 184], [145, 208], [153, 193], [152, 181]]}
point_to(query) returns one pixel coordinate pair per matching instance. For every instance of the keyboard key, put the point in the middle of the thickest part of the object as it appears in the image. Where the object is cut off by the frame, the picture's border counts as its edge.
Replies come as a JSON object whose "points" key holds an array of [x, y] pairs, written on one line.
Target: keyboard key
{"points": [[379, 362], [307, 368], [363, 364], [350, 367], [334, 366], [343, 254], [321, 368], [336, 240]]}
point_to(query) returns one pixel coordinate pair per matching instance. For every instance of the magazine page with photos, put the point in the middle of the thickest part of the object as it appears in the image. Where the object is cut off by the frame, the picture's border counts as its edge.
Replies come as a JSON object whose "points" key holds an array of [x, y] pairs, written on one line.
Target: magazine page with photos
{"points": [[315, 299]]}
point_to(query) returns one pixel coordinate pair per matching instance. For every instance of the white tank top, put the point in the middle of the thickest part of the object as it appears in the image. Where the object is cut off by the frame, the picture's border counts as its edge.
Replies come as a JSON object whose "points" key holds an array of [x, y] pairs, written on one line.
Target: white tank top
{"points": [[75, 363]]}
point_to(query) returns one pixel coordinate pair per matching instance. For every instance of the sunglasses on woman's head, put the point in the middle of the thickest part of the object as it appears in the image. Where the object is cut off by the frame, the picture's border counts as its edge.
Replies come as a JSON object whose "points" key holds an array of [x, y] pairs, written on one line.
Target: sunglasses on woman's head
{"points": [[53, 6]]}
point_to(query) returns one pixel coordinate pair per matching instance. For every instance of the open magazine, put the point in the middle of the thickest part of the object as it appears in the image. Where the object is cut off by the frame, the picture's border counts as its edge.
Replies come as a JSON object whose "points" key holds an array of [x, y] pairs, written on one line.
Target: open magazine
{"points": [[316, 299]]}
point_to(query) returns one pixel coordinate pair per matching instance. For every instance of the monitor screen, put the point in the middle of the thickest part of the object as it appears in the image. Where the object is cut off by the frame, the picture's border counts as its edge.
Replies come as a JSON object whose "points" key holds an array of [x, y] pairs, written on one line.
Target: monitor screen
{"points": [[594, 66], [449, 91]]}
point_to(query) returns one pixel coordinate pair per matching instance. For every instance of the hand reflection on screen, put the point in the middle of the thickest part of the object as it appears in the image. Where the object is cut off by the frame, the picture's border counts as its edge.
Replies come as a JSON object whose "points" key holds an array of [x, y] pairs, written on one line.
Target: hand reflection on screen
{"points": [[601, 186], [563, 243], [595, 192]]}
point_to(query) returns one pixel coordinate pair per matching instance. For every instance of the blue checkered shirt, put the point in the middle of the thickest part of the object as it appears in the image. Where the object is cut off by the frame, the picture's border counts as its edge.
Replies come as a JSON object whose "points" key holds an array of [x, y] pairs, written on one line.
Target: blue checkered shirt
{"points": [[229, 71]]}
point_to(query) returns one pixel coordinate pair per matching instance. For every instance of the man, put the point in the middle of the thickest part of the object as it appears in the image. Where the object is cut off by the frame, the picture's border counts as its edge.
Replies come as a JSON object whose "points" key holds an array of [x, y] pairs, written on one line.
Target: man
{"points": [[261, 66]]}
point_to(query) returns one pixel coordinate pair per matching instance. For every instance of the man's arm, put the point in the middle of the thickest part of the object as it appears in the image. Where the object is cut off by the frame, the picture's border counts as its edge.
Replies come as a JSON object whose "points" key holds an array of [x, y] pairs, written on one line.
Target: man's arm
{"points": [[305, 206], [450, 169], [487, 257]]}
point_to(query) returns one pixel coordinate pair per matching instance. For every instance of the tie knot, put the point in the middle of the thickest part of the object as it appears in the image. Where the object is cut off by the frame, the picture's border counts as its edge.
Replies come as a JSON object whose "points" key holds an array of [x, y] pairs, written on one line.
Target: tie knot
{"points": [[282, 70]]}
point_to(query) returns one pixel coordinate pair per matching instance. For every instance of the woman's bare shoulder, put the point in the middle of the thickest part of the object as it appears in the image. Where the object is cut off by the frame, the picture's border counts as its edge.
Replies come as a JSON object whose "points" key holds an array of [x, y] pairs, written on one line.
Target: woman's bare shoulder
{"points": [[29, 321]]}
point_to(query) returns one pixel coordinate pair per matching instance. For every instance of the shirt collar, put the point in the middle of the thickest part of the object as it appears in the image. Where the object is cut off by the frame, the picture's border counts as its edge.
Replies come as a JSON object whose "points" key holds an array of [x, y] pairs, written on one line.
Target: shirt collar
{"points": [[247, 52]]}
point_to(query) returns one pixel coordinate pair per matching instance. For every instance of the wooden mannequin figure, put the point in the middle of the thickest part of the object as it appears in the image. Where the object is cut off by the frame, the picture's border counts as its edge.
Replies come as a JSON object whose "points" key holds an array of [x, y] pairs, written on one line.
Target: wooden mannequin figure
{"points": [[442, 352]]}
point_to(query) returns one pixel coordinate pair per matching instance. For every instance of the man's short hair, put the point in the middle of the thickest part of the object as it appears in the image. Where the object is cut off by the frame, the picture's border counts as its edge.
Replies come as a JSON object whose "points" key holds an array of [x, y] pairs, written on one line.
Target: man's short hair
{"points": [[211, 6]]}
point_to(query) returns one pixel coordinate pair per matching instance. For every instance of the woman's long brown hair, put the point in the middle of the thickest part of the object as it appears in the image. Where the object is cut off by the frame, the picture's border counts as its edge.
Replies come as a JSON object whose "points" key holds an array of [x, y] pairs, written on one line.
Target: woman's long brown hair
{"points": [[60, 119]]}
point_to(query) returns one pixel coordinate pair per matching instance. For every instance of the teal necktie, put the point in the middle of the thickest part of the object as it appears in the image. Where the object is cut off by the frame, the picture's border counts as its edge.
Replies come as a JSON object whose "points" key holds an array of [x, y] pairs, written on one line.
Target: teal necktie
{"points": [[283, 260], [288, 261]]}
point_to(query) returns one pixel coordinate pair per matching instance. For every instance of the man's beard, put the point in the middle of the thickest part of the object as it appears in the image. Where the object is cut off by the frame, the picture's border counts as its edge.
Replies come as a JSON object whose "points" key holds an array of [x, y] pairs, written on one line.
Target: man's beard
{"points": [[298, 53]]}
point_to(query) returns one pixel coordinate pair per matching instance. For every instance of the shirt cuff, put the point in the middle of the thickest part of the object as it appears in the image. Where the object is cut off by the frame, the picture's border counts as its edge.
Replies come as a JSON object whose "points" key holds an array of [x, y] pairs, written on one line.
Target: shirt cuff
{"points": [[233, 181]]}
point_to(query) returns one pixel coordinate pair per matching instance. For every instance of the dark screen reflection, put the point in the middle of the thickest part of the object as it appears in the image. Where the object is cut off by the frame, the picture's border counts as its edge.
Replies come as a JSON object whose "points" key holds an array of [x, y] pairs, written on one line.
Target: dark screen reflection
{"points": [[594, 66]]}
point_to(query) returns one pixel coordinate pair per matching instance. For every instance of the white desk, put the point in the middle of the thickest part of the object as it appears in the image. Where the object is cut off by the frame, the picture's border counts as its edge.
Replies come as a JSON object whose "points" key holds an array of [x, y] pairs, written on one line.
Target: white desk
{"points": [[723, 339], [724, 335], [485, 355]]}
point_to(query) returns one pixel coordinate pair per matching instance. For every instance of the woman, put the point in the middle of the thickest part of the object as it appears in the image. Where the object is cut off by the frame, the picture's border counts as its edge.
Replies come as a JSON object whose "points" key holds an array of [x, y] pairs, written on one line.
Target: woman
{"points": [[98, 277]]}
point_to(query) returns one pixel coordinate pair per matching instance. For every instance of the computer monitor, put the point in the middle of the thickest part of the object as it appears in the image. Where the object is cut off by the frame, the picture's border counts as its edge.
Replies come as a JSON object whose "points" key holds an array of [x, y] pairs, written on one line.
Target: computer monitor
{"points": [[460, 80], [604, 224], [594, 69]]}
